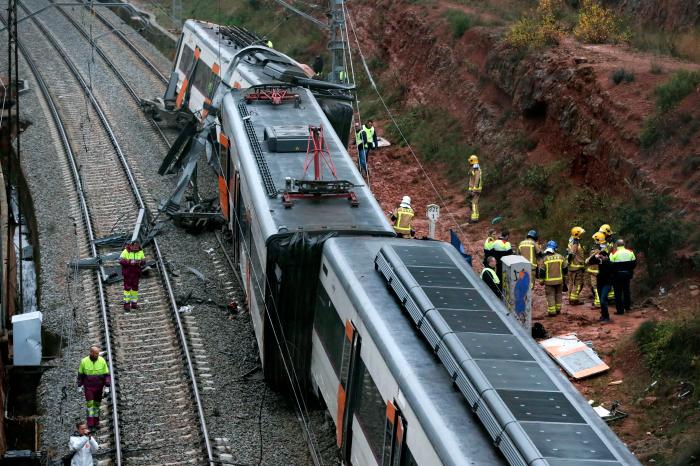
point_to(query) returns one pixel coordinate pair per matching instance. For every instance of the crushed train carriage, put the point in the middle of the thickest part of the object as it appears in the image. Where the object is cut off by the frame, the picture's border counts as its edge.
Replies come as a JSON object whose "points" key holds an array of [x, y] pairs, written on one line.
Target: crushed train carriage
{"points": [[338, 304]]}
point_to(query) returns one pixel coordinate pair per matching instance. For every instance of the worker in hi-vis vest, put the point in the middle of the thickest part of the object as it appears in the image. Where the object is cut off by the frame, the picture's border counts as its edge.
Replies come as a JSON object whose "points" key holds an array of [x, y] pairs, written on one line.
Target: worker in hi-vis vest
{"points": [[403, 219], [474, 187], [131, 260]]}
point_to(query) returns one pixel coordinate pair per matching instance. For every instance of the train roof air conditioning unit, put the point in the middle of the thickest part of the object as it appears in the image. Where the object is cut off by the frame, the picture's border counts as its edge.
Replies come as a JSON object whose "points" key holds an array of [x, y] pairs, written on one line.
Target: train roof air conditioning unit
{"points": [[287, 138]]}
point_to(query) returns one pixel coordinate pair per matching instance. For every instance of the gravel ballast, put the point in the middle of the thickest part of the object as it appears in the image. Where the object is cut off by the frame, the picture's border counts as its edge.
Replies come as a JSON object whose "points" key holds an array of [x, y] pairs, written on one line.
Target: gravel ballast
{"points": [[262, 427]]}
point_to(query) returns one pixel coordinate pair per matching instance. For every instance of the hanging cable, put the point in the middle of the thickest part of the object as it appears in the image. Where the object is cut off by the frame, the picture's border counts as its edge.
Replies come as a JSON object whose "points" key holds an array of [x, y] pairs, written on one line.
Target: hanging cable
{"points": [[398, 128], [280, 342]]}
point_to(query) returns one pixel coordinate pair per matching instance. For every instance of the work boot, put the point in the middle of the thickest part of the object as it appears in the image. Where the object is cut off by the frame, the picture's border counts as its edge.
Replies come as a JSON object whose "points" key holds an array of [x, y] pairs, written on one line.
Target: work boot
{"points": [[127, 307], [134, 305]]}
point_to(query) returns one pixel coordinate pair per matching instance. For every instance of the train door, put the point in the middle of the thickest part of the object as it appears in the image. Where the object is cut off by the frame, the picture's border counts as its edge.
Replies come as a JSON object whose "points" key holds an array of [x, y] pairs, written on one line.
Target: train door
{"points": [[347, 389], [395, 452], [188, 63]]}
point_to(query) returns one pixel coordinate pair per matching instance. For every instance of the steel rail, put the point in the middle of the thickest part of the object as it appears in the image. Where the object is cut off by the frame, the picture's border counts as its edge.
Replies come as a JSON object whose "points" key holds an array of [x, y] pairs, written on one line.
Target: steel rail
{"points": [[161, 263], [60, 126], [126, 41], [113, 67]]}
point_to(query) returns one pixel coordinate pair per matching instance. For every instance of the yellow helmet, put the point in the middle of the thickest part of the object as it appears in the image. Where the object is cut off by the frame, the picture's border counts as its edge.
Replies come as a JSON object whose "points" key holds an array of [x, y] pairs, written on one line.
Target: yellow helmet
{"points": [[606, 229], [473, 159], [576, 232], [599, 237]]}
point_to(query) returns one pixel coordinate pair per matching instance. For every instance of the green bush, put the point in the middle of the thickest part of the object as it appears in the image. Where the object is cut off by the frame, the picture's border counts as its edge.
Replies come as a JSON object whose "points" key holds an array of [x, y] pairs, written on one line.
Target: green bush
{"points": [[675, 89], [622, 75], [436, 136], [652, 131], [459, 22], [671, 348], [599, 25], [536, 177], [655, 68], [651, 225], [680, 126], [690, 164], [523, 143]]}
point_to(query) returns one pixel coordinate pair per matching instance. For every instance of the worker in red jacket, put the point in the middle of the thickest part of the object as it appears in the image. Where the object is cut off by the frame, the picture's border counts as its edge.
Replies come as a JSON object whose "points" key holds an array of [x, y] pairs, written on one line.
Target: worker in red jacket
{"points": [[132, 259]]}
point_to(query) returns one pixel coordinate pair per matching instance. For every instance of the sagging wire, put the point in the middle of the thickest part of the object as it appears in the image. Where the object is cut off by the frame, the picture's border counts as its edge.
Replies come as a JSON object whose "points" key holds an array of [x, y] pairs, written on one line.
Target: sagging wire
{"points": [[354, 82], [398, 128], [4, 98], [281, 343], [295, 384]]}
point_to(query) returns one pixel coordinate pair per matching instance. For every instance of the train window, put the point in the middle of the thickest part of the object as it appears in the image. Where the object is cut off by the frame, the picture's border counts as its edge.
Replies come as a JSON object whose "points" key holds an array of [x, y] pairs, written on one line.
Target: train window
{"points": [[202, 76], [213, 83], [370, 411], [186, 59], [330, 329]]}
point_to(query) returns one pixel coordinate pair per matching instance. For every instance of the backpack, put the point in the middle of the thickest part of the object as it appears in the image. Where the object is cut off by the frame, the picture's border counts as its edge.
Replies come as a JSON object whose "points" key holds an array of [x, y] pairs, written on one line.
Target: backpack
{"points": [[538, 331]]}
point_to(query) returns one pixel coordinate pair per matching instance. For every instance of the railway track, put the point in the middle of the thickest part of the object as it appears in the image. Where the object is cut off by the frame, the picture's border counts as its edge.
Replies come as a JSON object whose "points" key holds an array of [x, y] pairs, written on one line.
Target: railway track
{"points": [[148, 67], [156, 412]]}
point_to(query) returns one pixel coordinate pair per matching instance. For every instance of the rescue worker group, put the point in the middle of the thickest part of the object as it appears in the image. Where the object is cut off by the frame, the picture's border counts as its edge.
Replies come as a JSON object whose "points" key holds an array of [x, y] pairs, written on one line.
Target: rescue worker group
{"points": [[605, 269]]}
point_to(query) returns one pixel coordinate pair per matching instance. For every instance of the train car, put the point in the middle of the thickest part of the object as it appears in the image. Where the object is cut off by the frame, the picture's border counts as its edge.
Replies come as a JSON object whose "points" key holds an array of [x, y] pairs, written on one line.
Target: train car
{"points": [[209, 55], [277, 241], [387, 313], [205, 53], [392, 403]]}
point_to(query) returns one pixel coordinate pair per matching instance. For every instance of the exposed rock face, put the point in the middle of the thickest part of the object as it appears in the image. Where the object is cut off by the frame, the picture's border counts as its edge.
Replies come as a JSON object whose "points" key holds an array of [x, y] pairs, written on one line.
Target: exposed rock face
{"points": [[561, 98]]}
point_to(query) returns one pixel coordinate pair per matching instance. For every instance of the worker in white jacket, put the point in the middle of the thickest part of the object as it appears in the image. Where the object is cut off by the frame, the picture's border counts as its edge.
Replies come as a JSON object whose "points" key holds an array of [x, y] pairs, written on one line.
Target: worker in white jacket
{"points": [[82, 445]]}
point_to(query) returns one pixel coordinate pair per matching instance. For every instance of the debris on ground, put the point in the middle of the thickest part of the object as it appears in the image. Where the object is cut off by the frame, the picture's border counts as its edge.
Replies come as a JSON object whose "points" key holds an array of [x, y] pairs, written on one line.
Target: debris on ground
{"points": [[574, 356]]}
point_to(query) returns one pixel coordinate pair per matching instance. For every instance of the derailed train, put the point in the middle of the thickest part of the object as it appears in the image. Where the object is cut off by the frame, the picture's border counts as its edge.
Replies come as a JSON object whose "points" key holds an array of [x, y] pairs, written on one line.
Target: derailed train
{"points": [[414, 358]]}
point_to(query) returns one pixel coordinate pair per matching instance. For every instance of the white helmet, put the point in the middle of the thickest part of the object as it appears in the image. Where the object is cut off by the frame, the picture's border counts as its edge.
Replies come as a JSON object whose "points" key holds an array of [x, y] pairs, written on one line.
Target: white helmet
{"points": [[406, 201]]}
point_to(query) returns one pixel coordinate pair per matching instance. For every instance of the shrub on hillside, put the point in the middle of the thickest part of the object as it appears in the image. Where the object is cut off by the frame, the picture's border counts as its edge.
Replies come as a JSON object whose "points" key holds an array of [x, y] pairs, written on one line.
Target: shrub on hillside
{"points": [[622, 75], [676, 88], [671, 348], [665, 123], [536, 29], [420, 124], [655, 68], [599, 25], [652, 132], [652, 226], [459, 22]]}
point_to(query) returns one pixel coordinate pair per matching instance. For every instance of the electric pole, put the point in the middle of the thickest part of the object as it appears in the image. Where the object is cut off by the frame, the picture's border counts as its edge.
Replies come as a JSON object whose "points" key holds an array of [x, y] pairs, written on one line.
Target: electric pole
{"points": [[336, 44]]}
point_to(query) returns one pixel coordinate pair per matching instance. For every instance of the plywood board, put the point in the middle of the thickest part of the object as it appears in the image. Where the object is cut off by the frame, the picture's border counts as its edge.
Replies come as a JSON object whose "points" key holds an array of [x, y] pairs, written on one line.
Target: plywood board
{"points": [[574, 356]]}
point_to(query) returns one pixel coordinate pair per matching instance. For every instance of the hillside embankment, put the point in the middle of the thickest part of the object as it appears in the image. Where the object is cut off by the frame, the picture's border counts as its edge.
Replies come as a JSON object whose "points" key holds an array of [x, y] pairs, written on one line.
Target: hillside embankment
{"points": [[562, 141]]}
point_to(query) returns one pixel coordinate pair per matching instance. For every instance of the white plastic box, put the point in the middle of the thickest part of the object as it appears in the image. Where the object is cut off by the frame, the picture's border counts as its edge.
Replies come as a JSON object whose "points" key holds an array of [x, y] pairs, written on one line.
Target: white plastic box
{"points": [[26, 331]]}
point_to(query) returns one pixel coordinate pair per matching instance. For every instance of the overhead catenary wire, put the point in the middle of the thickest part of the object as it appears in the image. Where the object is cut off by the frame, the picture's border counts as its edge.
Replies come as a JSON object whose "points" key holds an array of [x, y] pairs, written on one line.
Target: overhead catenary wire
{"points": [[398, 128], [356, 100], [280, 342]]}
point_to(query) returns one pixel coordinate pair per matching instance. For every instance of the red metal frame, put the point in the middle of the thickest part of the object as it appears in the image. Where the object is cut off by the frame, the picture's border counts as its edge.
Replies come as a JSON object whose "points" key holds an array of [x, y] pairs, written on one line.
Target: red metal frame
{"points": [[317, 153], [274, 95], [317, 150]]}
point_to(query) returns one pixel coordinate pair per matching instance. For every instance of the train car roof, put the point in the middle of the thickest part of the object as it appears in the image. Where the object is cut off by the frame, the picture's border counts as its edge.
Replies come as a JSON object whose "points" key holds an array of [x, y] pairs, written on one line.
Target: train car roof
{"points": [[457, 436], [241, 120], [545, 417], [225, 42]]}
